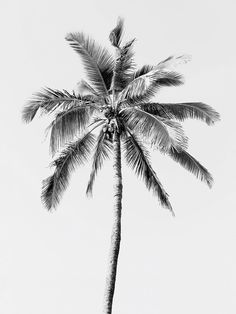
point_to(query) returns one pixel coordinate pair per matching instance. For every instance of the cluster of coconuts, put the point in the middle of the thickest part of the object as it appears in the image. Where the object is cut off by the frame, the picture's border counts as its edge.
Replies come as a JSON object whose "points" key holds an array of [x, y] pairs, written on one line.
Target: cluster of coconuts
{"points": [[109, 127]]}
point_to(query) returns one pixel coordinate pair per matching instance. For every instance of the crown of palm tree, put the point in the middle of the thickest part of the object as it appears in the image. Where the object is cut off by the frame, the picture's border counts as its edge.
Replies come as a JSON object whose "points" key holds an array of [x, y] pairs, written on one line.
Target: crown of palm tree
{"points": [[116, 100]]}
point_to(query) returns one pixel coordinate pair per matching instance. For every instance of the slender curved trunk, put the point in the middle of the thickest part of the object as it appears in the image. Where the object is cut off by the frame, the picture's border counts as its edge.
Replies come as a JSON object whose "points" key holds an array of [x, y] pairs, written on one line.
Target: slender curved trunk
{"points": [[116, 230]]}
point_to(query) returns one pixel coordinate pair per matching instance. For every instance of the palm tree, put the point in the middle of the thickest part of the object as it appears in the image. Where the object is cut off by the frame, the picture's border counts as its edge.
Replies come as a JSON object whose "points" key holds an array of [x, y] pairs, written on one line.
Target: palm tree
{"points": [[115, 108]]}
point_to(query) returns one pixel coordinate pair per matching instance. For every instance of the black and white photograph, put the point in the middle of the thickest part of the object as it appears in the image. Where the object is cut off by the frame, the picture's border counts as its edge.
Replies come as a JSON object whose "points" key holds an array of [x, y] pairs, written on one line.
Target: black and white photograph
{"points": [[118, 157]]}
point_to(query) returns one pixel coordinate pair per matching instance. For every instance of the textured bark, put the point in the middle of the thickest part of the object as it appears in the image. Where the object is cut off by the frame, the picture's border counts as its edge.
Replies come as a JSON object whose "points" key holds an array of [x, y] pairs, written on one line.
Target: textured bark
{"points": [[116, 230]]}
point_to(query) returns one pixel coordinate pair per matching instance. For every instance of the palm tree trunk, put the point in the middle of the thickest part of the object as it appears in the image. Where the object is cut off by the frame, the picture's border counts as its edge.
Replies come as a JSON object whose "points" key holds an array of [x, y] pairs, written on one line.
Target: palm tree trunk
{"points": [[116, 231]]}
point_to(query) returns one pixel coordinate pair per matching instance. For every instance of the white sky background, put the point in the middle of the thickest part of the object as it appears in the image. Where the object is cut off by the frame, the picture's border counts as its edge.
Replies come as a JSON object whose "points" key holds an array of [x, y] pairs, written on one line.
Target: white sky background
{"points": [[56, 262]]}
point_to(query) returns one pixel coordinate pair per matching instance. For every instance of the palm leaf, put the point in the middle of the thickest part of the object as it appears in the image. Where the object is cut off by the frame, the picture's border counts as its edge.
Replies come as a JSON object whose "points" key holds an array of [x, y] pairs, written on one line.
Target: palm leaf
{"points": [[191, 164], [67, 124], [143, 70], [168, 64], [172, 62], [145, 86], [116, 34], [137, 158], [124, 67], [102, 150], [182, 111], [97, 61], [50, 99], [165, 67], [158, 131], [155, 109], [75, 154]]}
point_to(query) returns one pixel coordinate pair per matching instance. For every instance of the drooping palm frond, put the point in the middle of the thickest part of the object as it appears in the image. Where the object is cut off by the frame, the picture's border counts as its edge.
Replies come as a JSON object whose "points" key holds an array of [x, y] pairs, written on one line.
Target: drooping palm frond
{"points": [[191, 164], [156, 130], [102, 150], [124, 67], [116, 34], [172, 62], [50, 99], [142, 88], [137, 158], [75, 154], [69, 123], [182, 111], [97, 61]]}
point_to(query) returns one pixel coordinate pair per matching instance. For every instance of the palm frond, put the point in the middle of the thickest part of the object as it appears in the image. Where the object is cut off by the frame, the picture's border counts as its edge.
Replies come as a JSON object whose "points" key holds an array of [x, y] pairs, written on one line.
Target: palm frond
{"points": [[168, 64], [182, 111], [116, 34], [67, 124], [156, 130], [143, 70], [155, 109], [172, 62], [137, 158], [145, 86], [102, 150], [75, 154], [97, 61], [124, 67], [191, 164], [50, 99]]}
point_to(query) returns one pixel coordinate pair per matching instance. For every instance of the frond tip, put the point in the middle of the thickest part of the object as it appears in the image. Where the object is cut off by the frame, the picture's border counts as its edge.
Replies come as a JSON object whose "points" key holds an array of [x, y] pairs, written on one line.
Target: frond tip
{"points": [[116, 34], [48, 100], [191, 164], [29, 112], [173, 61], [182, 111]]}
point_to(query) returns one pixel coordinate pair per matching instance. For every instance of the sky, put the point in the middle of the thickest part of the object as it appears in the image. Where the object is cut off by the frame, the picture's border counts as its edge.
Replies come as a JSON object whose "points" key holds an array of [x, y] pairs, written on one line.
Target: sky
{"points": [[56, 262]]}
